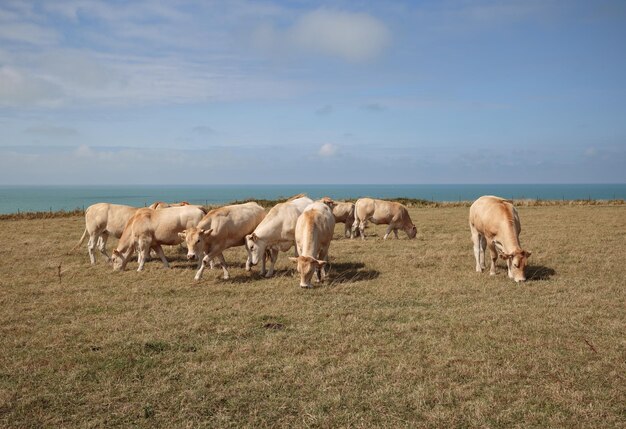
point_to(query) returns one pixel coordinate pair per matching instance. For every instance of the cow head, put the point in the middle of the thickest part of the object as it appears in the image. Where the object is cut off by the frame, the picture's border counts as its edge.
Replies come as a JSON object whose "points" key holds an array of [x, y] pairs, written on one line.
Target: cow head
{"points": [[196, 240], [411, 231], [118, 259], [516, 263], [306, 267], [256, 247]]}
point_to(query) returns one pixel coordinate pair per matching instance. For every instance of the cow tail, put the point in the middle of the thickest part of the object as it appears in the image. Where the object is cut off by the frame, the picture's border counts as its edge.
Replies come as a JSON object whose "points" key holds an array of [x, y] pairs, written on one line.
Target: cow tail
{"points": [[81, 240]]}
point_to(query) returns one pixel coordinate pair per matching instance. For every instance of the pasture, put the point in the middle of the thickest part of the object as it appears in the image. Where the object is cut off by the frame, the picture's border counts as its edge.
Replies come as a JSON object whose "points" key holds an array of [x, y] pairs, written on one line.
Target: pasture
{"points": [[404, 334]]}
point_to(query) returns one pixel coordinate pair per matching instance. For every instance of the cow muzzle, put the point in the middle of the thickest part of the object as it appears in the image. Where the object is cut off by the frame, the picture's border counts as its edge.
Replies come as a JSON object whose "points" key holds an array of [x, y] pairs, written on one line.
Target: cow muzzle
{"points": [[191, 256]]}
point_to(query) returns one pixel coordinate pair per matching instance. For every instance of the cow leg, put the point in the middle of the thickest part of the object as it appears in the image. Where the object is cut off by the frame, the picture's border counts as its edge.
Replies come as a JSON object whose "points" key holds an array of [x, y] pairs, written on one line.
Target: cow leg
{"points": [[494, 257], [263, 260], [355, 226], [91, 245], [102, 245], [273, 258], [143, 250], [295, 249], [389, 229], [203, 265], [477, 240], [322, 273], [483, 248], [222, 262], [362, 229], [395, 232], [249, 258], [159, 251]]}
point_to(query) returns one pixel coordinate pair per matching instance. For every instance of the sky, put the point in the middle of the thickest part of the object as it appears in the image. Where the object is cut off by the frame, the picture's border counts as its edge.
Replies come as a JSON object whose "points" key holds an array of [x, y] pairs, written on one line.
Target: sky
{"points": [[329, 92]]}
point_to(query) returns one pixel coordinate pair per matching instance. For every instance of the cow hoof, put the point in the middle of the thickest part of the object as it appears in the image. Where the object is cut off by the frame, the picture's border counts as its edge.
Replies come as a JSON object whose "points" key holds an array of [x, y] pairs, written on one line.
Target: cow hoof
{"points": [[268, 275], [197, 278], [479, 270], [492, 274]]}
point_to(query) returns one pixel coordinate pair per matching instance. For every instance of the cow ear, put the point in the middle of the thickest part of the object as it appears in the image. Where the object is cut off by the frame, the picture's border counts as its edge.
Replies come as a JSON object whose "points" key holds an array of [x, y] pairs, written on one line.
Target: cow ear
{"points": [[527, 253], [115, 253], [207, 232], [505, 256], [320, 263], [183, 234], [254, 237], [293, 259]]}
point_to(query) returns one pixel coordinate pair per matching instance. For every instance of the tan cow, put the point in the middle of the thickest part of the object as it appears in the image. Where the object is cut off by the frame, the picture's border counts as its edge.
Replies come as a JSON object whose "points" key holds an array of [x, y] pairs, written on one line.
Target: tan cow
{"points": [[219, 230], [101, 221], [494, 222], [276, 232], [380, 212], [314, 232], [344, 213], [149, 229]]}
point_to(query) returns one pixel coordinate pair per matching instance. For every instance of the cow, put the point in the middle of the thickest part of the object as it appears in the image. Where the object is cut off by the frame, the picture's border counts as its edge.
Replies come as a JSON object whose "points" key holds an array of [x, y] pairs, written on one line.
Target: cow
{"points": [[101, 221], [219, 230], [314, 231], [379, 212], [494, 222], [149, 229], [162, 205], [276, 232], [344, 213]]}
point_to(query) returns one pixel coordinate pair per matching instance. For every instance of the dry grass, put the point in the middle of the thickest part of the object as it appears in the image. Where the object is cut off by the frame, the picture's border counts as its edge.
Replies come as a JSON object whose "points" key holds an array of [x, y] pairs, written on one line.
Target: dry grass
{"points": [[405, 334]]}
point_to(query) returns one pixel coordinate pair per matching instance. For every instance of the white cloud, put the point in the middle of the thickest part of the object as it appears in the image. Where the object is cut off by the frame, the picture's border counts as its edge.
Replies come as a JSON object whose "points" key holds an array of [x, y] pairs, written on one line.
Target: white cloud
{"points": [[19, 88], [353, 37], [328, 149]]}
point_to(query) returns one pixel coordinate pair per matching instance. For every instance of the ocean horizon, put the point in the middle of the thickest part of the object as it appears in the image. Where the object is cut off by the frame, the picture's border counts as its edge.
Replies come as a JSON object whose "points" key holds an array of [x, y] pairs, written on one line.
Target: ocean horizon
{"points": [[22, 198]]}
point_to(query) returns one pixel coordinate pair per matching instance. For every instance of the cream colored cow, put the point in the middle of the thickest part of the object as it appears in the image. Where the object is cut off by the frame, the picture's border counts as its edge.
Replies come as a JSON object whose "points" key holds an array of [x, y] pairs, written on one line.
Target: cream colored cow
{"points": [[344, 213], [219, 230], [494, 222], [149, 229], [101, 221], [380, 212], [276, 232], [314, 232]]}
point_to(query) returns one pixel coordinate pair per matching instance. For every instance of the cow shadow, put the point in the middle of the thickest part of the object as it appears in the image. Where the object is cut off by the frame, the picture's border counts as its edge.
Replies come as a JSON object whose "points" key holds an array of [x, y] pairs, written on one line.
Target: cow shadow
{"points": [[539, 272], [350, 272], [344, 266]]}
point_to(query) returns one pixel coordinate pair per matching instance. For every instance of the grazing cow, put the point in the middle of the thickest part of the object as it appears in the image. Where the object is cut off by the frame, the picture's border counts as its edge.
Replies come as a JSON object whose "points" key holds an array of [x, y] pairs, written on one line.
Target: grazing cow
{"points": [[161, 205], [101, 221], [379, 212], [276, 232], [219, 230], [149, 229], [314, 231], [494, 222], [344, 213]]}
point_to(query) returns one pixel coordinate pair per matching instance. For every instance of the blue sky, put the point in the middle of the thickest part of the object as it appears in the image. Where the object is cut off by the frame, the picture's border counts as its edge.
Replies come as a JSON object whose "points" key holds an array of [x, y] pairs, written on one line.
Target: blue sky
{"points": [[184, 92]]}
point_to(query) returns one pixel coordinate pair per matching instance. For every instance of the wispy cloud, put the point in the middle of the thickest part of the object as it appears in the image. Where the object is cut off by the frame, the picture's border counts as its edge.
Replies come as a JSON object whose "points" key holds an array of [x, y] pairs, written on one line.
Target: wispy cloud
{"points": [[374, 107], [349, 36], [324, 110], [328, 150], [51, 131]]}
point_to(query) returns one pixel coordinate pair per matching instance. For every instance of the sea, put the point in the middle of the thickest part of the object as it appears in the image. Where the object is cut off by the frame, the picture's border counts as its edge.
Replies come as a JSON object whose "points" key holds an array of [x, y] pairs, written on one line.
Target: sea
{"points": [[14, 199]]}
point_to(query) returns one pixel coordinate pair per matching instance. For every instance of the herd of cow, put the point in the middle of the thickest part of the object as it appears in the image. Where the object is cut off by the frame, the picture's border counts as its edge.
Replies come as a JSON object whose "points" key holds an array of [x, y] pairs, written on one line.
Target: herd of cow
{"points": [[308, 224]]}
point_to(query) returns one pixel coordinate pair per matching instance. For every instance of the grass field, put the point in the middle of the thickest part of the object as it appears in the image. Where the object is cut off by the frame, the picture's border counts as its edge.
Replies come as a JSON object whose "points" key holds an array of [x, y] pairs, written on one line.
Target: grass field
{"points": [[405, 333]]}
